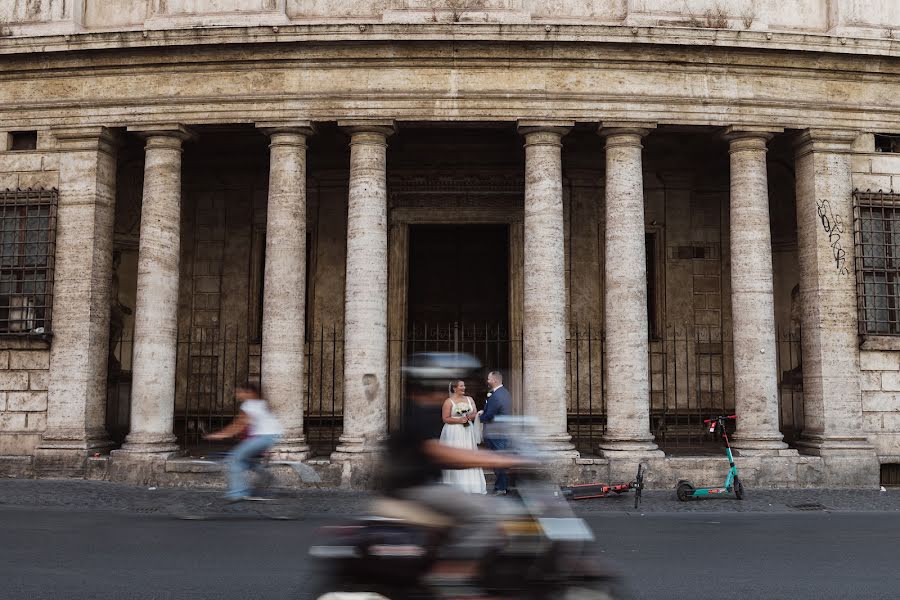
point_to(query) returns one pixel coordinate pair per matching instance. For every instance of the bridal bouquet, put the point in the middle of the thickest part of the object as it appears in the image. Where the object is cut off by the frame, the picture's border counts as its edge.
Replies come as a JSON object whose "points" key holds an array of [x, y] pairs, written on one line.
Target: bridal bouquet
{"points": [[461, 410]]}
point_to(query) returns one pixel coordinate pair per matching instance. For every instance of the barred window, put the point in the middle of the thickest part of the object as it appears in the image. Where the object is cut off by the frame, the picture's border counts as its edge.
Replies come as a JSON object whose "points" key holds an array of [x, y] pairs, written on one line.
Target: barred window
{"points": [[27, 248], [877, 233]]}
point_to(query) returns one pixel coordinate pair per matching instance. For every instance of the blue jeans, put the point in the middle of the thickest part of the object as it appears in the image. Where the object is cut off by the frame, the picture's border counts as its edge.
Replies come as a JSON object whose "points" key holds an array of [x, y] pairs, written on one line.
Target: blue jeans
{"points": [[501, 482], [239, 462]]}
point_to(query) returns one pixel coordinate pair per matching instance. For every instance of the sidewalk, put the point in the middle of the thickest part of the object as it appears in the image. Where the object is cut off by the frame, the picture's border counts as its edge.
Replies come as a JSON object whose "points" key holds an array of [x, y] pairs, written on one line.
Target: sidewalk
{"points": [[79, 495]]}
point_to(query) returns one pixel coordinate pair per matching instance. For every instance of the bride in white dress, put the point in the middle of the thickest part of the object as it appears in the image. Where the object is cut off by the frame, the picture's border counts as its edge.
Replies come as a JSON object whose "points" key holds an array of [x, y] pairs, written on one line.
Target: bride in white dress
{"points": [[461, 430]]}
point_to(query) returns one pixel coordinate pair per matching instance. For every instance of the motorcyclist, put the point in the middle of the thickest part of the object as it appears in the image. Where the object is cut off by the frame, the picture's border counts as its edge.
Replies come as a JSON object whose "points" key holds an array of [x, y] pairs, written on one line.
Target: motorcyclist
{"points": [[415, 459]]}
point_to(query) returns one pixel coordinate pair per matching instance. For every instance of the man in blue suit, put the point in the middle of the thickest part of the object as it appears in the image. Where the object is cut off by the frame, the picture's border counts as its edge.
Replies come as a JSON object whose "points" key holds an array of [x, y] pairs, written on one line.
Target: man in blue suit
{"points": [[499, 403]]}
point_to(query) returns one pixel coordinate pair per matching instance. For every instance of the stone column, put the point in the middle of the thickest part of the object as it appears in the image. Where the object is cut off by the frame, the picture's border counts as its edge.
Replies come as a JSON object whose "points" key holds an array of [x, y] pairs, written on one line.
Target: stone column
{"points": [[156, 313], [625, 295], [284, 303], [752, 295], [833, 425], [365, 304], [543, 381], [76, 401]]}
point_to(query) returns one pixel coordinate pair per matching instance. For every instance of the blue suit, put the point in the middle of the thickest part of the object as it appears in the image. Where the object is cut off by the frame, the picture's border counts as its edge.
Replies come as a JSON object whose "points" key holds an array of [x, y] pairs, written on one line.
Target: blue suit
{"points": [[499, 403]]}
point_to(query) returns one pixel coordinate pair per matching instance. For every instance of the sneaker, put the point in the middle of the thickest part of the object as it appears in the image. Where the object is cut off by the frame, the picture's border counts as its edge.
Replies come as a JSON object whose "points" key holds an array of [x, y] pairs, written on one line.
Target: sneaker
{"points": [[247, 499], [499, 492]]}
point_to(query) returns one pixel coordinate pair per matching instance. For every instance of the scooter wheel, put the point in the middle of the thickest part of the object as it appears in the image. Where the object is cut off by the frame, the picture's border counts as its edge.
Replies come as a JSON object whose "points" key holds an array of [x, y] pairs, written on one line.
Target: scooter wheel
{"points": [[684, 490], [738, 489]]}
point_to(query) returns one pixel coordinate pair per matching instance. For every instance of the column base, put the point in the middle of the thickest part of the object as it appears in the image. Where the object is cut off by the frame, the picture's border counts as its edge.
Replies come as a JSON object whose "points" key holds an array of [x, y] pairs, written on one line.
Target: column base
{"points": [[631, 447], [558, 445], [850, 461], [294, 449], [65, 454], [760, 445], [360, 460], [351, 446], [149, 443]]}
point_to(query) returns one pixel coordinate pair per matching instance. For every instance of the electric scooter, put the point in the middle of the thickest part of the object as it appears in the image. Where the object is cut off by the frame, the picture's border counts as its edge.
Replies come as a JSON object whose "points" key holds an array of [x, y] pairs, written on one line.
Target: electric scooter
{"points": [[686, 490], [587, 491]]}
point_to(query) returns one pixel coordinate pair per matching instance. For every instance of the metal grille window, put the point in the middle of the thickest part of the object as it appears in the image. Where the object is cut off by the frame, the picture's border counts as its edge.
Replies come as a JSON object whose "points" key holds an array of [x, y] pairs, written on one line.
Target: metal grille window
{"points": [[27, 247], [877, 233]]}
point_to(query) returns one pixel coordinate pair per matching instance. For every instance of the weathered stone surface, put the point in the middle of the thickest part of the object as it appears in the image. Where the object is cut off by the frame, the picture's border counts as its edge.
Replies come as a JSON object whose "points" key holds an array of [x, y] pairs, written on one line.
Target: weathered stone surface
{"points": [[284, 305], [13, 380], [875, 402], [832, 398], [879, 361], [35, 421], [156, 316], [28, 360], [365, 304], [752, 300], [625, 299], [890, 381], [76, 402], [27, 401], [12, 421], [38, 380], [847, 17], [544, 390]]}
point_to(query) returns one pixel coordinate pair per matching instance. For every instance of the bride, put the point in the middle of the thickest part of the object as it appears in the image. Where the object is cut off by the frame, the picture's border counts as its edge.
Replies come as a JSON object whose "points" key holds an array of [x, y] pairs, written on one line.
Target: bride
{"points": [[461, 431]]}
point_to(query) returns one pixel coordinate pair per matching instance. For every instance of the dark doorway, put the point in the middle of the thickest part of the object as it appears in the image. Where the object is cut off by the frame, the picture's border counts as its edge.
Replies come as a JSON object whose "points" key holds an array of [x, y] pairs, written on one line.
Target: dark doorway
{"points": [[459, 273], [458, 294]]}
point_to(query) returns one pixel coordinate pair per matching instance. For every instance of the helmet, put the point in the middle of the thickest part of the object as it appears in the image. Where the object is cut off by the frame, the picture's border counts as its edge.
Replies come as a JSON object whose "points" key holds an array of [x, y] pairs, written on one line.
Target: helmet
{"points": [[434, 370]]}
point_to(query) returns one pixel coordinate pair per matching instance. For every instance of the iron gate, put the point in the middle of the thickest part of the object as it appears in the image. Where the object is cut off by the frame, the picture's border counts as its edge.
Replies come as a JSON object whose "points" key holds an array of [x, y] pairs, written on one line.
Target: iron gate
{"points": [[491, 343], [691, 379]]}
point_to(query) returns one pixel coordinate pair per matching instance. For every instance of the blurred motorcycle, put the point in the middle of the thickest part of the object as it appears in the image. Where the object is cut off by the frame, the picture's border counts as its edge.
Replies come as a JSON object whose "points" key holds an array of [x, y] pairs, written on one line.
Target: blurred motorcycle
{"points": [[541, 550]]}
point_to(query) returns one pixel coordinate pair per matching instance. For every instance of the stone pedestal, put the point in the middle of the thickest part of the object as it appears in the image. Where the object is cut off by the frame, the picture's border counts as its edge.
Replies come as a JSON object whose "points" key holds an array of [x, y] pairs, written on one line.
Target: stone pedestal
{"points": [[752, 296], [282, 360], [156, 313], [625, 296], [544, 352], [833, 427], [365, 308], [76, 404]]}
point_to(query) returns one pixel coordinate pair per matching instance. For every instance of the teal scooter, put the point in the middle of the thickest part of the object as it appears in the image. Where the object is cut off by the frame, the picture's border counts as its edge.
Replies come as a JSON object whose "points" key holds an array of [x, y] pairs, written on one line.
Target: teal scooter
{"points": [[686, 490]]}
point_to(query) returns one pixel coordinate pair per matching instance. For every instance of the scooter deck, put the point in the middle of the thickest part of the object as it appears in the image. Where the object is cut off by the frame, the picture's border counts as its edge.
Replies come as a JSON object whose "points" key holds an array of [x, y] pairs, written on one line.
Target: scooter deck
{"points": [[586, 491]]}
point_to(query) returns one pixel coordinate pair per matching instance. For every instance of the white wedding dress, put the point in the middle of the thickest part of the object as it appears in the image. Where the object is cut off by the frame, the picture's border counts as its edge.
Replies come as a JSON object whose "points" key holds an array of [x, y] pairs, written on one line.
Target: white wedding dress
{"points": [[460, 436]]}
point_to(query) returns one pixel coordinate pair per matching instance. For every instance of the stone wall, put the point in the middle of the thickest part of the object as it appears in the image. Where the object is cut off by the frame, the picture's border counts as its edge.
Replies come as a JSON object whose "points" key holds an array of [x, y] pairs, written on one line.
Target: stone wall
{"points": [[879, 356], [24, 364], [24, 375], [868, 18]]}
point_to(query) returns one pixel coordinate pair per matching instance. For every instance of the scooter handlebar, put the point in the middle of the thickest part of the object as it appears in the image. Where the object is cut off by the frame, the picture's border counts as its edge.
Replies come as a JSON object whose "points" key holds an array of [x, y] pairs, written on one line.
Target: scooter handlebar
{"points": [[708, 421]]}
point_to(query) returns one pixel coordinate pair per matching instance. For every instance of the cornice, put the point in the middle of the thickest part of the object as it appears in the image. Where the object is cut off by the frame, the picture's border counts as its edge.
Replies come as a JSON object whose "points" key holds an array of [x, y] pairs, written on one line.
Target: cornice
{"points": [[452, 33]]}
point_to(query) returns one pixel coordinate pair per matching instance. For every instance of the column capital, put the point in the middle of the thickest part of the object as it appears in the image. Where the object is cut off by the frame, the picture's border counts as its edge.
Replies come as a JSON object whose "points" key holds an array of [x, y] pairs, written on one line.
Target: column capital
{"points": [[163, 130], [629, 133], [749, 137], [94, 137], [385, 127], [557, 126], [839, 141], [271, 128]]}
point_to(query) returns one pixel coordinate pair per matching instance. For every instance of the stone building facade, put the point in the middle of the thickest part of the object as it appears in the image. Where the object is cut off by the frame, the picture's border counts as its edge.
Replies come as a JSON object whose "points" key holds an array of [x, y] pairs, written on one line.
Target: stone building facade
{"points": [[645, 212]]}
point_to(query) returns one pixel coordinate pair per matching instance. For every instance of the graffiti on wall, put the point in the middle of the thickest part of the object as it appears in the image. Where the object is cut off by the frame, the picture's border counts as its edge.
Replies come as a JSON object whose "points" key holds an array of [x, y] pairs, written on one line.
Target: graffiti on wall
{"points": [[833, 226]]}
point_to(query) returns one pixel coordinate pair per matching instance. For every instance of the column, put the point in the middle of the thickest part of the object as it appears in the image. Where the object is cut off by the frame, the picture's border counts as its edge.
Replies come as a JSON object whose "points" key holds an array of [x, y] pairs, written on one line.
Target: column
{"points": [[544, 362], [833, 425], [284, 303], [752, 295], [156, 313], [625, 295], [76, 400], [366, 291]]}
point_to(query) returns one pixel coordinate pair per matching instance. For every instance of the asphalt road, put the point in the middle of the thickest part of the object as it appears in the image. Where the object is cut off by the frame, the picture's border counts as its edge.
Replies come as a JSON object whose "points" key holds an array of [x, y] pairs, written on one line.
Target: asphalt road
{"points": [[67, 554]]}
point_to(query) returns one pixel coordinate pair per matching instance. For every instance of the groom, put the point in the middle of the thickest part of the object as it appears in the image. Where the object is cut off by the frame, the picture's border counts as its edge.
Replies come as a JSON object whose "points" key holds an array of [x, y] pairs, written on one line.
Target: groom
{"points": [[498, 403]]}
